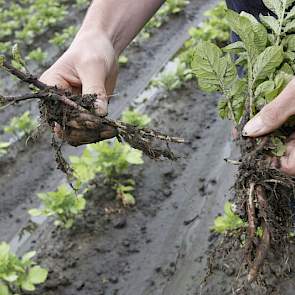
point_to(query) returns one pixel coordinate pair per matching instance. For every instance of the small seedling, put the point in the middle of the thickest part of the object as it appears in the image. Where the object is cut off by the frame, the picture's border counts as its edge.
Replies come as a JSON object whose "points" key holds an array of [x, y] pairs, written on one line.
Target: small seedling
{"points": [[21, 126], [123, 60], [37, 55], [229, 221], [17, 275], [63, 204], [3, 148], [135, 118], [124, 193]]}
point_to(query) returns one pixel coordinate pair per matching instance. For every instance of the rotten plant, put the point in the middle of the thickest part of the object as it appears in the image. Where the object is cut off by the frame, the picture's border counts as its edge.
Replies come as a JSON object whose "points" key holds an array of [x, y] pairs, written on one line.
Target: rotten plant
{"points": [[250, 73]]}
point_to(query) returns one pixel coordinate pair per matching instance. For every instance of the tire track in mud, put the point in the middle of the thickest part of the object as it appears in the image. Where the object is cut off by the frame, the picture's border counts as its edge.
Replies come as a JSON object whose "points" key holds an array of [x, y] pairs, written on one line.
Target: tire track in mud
{"points": [[33, 169]]}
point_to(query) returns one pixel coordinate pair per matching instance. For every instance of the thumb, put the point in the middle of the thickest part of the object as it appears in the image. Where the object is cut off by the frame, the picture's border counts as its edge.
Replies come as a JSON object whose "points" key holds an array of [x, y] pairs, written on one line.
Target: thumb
{"points": [[93, 78], [274, 114]]}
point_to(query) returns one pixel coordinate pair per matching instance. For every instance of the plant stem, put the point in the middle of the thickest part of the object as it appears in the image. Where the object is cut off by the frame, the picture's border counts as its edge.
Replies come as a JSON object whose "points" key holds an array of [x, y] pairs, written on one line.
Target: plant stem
{"points": [[278, 40], [250, 87]]}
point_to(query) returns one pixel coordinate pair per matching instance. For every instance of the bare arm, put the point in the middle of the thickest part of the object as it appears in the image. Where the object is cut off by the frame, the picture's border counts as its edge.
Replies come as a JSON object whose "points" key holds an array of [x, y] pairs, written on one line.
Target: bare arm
{"points": [[90, 64], [120, 20]]}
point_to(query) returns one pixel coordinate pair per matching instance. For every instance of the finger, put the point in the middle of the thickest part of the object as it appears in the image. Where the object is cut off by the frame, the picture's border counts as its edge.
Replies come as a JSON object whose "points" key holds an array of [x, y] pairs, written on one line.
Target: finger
{"points": [[81, 124], [76, 137], [52, 78], [274, 114], [93, 78], [288, 163], [111, 80]]}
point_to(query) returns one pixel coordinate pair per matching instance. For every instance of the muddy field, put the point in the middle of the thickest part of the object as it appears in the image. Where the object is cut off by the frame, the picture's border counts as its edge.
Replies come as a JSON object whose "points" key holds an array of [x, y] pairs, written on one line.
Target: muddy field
{"points": [[161, 245]]}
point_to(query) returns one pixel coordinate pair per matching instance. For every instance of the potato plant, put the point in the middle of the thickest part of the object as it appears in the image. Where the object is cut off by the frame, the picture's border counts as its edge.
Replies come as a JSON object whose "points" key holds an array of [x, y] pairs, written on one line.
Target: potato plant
{"points": [[173, 78], [63, 38], [64, 204], [265, 51], [21, 126], [111, 161], [24, 20], [135, 118], [19, 274], [4, 147]]}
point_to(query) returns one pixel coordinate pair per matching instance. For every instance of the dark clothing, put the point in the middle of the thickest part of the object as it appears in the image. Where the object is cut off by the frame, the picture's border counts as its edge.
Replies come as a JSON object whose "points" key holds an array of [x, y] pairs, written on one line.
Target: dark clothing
{"points": [[255, 7]]}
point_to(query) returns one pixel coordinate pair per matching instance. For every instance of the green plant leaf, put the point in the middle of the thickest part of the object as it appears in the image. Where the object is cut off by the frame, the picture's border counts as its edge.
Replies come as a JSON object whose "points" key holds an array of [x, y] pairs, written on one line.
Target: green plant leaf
{"points": [[264, 87], [229, 221], [134, 157], [290, 14], [35, 212], [290, 27], [214, 71], [26, 285], [37, 275], [271, 23], [267, 62], [4, 290], [10, 277], [28, 256]]}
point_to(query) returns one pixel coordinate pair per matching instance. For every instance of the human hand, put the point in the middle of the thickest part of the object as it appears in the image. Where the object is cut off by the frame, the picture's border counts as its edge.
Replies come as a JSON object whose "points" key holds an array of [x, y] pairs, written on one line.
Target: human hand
{"points": [[271, 117], [89, 66]]}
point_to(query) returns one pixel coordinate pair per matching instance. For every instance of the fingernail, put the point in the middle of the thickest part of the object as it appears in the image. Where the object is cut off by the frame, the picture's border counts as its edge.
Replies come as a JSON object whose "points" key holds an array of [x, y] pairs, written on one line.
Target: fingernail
{"points": [[255, 127]]}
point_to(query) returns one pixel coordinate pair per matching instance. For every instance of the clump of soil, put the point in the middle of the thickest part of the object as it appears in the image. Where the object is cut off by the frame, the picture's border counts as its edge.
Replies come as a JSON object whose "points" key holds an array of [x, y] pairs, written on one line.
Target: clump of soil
{"points": [[264, 196]]}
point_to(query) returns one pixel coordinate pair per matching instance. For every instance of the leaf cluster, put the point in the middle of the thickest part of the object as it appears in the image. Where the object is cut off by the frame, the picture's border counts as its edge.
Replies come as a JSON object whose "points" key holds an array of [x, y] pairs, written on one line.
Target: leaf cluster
{"points": [[64, 204], [173, 77], [267, 57], [22, 21], [19, 274], [21, 126], [109, 159], [229, 221], [135, 118]]}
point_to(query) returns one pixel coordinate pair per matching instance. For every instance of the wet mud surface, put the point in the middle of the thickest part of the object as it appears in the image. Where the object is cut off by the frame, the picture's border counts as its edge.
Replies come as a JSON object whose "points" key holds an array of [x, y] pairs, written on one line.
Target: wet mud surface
{"points": [[146, 249]]}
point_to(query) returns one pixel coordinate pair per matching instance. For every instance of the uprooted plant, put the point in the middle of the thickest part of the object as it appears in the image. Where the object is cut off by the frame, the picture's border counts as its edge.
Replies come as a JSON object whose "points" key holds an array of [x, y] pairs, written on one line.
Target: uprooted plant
{"points": [[61, 106], [265, 54]]}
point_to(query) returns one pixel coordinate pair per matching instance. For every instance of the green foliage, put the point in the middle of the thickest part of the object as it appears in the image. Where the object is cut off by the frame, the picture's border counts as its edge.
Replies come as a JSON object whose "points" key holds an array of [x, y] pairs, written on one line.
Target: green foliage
{"points": [[37, 55], [63, 204], [111, 161], [19, 274], [174, 77], [63, 38], [21, 126], [3, 148], [22, 21], [135, 118], [229, 221], [81, 4], [214, 29], [124, 193], [123, 60], [265, 56]]}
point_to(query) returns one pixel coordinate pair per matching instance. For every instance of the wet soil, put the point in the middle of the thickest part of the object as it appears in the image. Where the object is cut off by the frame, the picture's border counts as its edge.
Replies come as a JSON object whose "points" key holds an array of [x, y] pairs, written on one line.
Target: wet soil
{"points": [[22, 177], [146, 249]]}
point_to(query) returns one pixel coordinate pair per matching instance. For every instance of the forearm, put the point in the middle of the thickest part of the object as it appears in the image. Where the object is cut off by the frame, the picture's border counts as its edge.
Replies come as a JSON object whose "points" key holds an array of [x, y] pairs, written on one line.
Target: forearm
{"points": [[120, 20]]}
